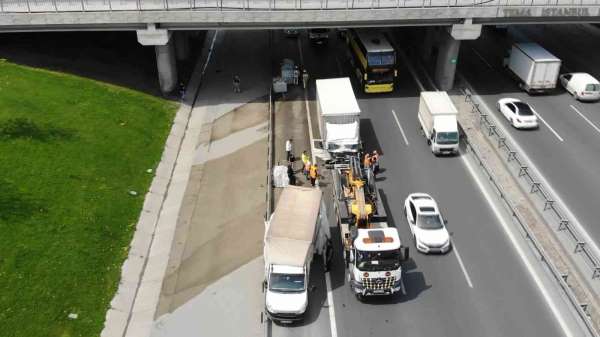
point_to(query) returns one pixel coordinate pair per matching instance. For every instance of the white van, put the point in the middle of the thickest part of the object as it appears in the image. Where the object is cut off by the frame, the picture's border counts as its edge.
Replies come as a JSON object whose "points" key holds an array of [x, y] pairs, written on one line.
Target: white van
{"points": [[582, 86]]}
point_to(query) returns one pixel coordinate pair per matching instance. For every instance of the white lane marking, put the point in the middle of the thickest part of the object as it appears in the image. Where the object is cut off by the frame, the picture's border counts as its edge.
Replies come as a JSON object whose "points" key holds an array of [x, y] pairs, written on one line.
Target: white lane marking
{"points": [[572, 218], [549, 300], [462, 265], [402, 287], [547, 125], [400, 127], [332, 322], [411, 70], [481, 57], [586, 119]]}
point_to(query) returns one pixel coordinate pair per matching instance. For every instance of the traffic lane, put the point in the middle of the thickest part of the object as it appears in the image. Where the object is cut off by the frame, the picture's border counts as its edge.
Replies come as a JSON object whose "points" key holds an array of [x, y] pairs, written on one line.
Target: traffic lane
{"points": [[501, 287], [571, 165]]}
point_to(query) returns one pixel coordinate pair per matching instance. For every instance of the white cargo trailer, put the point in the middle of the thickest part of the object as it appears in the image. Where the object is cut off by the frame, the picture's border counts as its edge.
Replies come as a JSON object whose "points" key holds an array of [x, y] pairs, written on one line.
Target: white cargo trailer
{"points": [[437, 116], [536, 69], [339, 113], [293, 234]]}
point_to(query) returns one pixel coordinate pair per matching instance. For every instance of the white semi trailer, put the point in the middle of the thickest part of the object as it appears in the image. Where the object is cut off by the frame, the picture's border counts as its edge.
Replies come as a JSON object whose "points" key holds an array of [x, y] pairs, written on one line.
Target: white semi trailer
{"points": [[535, 67], [437, 116], [293, 234], [339, 113]]}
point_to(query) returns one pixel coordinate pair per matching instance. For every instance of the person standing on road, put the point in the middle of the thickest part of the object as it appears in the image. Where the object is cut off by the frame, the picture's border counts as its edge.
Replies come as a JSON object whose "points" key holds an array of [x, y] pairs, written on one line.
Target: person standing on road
{"points": [[307, 166], [296, 75], [290, 173], [288, 150], [304, 158], [375, 162], [305, 78], [236, 84], [314, 173]]}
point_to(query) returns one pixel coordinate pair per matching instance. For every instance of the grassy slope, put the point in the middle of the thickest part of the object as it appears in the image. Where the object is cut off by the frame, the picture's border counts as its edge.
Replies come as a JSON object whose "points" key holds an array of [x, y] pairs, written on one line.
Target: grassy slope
{"points": [[70, 150]]}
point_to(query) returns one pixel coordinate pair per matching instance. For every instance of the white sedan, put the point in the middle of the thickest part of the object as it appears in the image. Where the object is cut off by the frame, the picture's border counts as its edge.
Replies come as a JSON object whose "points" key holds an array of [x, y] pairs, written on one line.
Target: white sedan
{"points": [[426, 224], [520, 114]]}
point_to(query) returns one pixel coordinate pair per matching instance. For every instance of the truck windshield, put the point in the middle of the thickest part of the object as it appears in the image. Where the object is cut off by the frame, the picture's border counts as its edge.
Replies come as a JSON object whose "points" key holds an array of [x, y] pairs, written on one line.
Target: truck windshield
{"points": [[377, 261], [447, 137], [431, 221], [287, 283]]}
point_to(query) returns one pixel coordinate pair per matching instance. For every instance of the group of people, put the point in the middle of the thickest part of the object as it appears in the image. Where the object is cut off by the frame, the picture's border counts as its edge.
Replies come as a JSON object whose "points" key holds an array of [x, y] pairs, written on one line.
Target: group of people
{"points": [[310, 170], [371, 160]]}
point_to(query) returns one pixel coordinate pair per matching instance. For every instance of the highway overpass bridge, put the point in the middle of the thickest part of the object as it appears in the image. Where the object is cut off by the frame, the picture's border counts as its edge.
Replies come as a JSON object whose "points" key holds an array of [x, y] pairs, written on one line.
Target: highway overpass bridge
{"points": [[156, 20]]}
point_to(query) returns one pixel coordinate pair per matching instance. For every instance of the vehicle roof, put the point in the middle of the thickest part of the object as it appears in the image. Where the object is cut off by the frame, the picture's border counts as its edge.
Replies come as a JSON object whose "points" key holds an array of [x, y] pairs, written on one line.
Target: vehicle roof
{"points": [[374, 41], [589, 79], [424, 200], [365, 235], [292, 227], [536, 52], [279, 269], [439, 103], [336, 97], [446, 124]]}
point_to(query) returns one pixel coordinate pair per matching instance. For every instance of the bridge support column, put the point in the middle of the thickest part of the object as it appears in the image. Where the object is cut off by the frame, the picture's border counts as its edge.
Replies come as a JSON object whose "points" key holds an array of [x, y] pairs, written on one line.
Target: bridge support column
{"points": [[449, 45], [182, 45], [165, 55]]}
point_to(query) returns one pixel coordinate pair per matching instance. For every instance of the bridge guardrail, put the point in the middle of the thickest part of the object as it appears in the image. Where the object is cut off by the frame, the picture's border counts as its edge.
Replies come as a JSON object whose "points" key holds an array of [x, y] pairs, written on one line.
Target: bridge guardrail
{"points": [[560, 278], [45, 6]]}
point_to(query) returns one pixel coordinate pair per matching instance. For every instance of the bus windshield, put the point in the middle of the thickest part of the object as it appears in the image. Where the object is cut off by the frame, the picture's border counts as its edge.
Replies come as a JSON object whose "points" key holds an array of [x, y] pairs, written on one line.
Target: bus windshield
{"points": [[380, 77], [375, 59]]}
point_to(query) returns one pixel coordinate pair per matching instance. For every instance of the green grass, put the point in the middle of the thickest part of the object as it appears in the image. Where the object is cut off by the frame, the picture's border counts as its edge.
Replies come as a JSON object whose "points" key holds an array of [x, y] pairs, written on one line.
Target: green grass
{"points": [[70, 150]]}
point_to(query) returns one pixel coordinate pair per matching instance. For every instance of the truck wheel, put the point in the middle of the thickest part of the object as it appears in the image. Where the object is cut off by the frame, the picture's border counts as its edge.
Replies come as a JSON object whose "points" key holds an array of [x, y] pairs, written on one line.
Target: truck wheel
{"points": [[429, 142]]}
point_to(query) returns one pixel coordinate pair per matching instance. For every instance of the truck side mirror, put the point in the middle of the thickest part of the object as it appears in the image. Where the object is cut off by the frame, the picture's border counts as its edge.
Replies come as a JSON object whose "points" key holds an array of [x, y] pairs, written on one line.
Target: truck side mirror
{"points": [[405, 254], [445, 222]]}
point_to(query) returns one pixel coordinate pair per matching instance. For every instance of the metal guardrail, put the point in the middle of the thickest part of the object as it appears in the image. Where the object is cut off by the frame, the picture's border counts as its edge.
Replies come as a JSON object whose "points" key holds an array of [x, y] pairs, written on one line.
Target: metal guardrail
{"points": [[559, 277], [537, 188], [45, 6]]}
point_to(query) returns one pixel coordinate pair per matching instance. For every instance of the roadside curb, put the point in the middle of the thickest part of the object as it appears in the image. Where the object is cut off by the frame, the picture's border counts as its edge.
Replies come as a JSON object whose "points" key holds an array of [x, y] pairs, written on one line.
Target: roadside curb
{"points": [[132, 309]]}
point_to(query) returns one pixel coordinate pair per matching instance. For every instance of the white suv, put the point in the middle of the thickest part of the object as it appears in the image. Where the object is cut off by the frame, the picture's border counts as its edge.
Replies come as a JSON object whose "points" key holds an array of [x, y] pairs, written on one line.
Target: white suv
{"points": [[426, 224]]}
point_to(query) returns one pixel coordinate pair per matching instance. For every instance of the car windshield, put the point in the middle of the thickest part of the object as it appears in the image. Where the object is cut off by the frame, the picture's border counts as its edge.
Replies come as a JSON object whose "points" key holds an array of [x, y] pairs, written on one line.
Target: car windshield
{"points": [[372, 261], [592, 87], [381, 59], [447, 137], [524, 109], [429, 221], [287, 283]]}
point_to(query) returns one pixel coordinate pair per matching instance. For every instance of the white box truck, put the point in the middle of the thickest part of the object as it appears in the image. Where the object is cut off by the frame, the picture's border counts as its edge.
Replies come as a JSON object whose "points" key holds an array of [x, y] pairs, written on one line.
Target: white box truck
{"points": [[339, 113], [437, 116], [293, 234], [536, 69]]}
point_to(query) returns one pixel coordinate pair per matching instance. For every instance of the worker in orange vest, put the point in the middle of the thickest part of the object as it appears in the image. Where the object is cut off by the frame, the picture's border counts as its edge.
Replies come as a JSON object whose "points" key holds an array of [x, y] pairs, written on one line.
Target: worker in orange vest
{"points": [[314, 173], [367, 160]]}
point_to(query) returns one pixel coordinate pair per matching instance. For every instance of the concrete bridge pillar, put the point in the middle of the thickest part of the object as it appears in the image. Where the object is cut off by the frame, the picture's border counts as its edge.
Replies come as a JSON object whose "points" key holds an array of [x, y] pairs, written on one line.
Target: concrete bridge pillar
{"points": [[182, 45], [165, 55], [448, 47]]}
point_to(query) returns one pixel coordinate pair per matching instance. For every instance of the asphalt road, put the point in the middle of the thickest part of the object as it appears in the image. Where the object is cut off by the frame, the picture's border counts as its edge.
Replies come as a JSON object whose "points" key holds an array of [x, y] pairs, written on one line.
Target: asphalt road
{"points": [[566, 148], [491, 294]]}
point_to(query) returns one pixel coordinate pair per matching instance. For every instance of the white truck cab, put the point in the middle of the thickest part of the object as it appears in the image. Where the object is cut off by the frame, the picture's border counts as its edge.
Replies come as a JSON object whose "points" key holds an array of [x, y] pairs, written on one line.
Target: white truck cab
{"points": [[437, 116], [286, 296], [375, 262]]}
